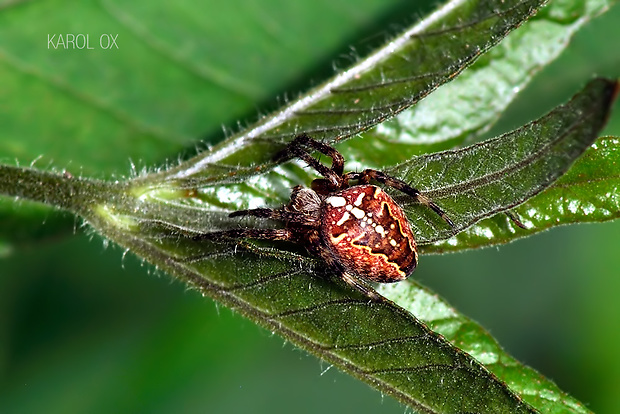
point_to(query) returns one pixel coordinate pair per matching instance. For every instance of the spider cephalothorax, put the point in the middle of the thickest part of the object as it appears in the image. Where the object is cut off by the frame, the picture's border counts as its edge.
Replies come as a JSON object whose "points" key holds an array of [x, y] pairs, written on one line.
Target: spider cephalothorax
{"points": [[358, 230]]}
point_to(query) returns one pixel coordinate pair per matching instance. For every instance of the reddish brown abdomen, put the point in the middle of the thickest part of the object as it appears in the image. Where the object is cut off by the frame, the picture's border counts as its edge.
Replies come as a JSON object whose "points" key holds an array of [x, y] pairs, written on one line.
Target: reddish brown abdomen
{"points": [[368, 234]]}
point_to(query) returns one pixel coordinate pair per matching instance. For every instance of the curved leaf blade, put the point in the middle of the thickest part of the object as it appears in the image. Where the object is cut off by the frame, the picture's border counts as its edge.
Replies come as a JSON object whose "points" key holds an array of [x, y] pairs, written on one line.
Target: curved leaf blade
{"points": [[498, 174], [290, 294], [588, 192], [530, 385], [395, 77], [464, 109]]}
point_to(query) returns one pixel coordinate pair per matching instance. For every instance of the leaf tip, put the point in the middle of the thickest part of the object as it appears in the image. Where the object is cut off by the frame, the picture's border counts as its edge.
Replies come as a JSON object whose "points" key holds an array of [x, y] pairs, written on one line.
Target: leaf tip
{"points": [[613, 89]]}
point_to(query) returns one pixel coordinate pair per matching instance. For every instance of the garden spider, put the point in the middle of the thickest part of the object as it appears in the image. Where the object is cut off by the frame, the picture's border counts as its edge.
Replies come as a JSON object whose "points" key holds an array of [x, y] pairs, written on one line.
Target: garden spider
{"points": [[358, 230]]}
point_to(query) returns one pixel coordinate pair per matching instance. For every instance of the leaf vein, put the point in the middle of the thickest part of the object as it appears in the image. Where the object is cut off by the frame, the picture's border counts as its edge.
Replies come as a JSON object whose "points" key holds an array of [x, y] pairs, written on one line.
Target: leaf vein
{"points": [[321, 306], [382, 342], [418, 368]]}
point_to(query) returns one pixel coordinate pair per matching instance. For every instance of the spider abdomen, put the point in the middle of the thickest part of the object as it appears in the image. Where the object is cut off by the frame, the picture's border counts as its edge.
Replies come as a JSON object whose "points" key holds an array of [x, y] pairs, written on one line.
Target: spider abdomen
{"points": [[368, 234]]}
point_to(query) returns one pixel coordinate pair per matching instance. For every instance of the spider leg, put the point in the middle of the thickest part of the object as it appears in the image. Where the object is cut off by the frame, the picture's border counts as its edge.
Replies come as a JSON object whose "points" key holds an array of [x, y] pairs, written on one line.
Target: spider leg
{"points": [[315, 247], [256, 212], [515, 219], [304, 139], [236, 235], [361, 286], [257, 234], [173, 230], [280, 215], [298, 148], [365, 176]]}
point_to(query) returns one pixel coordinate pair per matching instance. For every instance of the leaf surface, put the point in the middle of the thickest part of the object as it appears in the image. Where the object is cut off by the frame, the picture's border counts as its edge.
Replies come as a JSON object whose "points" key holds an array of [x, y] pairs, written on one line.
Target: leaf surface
{"points": [[465, 109], [588, 192], [495, 175], [382, 85]]}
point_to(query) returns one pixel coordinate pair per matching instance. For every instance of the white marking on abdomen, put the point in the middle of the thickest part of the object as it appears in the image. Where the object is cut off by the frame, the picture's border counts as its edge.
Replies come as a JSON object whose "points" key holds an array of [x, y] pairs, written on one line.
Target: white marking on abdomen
{"points": [[358, 202], [357, 213], [344, 218], [336, 201]]}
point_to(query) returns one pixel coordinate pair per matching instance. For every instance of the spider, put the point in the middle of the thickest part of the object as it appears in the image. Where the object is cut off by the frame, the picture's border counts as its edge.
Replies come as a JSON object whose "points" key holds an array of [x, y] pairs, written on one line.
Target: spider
{"points": [[358, 230]]}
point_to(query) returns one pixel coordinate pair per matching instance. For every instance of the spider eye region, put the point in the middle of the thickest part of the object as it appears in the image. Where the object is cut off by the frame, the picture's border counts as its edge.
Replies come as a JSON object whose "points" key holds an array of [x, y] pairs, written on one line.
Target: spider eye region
{"points": [[368, 234]]}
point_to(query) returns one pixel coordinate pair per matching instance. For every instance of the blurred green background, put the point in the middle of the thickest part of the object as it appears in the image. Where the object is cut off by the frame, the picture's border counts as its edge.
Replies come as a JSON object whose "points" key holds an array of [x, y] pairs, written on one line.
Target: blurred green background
{"points": [[85, 329]]}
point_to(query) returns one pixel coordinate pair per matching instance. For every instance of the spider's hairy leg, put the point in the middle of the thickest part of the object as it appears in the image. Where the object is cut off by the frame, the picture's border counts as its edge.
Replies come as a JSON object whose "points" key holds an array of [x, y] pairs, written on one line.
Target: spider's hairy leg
{"points": [[314, 246], [279, 214], [256, 212], [169, 230], [297, 149], [365, 176], [305, 140], [248, 233], [362, 287]]}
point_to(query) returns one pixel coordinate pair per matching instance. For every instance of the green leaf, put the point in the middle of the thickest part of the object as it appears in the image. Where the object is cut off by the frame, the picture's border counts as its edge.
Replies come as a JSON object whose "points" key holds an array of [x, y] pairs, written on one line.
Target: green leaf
{"points": [[382, 85], [174, 80], [381, 346], [464, 109], [461, 331], [424, 128], [588, 192], [495, 175]]}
